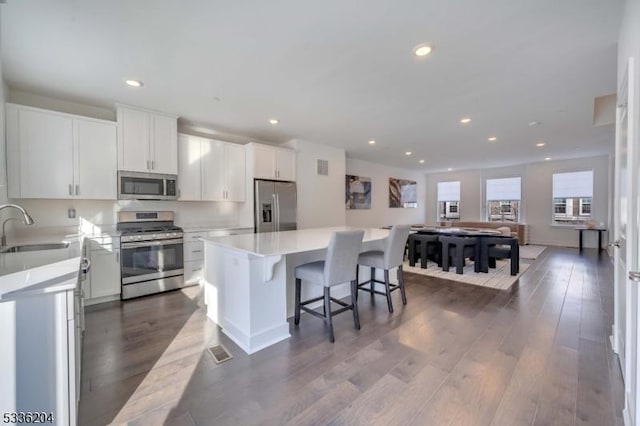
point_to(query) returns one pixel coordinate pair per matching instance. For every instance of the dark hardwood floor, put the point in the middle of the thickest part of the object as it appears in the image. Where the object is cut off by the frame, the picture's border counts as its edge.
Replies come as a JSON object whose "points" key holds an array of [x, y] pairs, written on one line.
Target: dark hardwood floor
{"points": [[457, 354]]}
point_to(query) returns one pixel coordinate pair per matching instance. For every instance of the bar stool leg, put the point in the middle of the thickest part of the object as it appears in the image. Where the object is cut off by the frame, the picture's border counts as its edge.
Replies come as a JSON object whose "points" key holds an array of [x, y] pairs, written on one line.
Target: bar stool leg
{"points": [[373, 284], [327, 309], [357, 280], [388, 290], [401, 284], [297, 309], [354, 304]]}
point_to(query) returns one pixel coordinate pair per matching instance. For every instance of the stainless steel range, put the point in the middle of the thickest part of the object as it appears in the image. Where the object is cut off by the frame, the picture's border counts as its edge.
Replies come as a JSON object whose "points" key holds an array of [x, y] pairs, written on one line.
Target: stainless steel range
{"points": [[151, 252]]}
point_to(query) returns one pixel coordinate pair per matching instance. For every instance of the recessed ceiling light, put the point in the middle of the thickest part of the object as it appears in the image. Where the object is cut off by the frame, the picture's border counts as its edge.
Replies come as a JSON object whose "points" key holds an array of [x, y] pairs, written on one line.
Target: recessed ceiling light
{"points": [[134, 83], [422, 49], [449, 169], [492, 139], [465, 120], [372, 142], [547, 159], [540, 144], [274, 121], [534, 123], [408, 153], [421, 161]]}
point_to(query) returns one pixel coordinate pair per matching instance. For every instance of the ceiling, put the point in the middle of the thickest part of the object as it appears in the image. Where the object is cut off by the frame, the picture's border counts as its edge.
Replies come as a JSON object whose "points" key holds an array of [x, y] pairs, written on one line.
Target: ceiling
{"points": [[338, 72]]}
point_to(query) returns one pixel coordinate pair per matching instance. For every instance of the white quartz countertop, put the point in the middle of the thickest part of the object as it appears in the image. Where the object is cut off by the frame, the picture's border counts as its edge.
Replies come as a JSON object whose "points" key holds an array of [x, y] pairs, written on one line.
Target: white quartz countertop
{"points": [[288, 242], [204, 227], [40, 271]]}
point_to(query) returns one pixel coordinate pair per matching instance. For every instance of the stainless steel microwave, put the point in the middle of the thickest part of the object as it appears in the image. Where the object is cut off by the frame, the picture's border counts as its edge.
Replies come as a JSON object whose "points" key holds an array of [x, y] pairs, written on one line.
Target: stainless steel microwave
{"points": [[147, 186]]}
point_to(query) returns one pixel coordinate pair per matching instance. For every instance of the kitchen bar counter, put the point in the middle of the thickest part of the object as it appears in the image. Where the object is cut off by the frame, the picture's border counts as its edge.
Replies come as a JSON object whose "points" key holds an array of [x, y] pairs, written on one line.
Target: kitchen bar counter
{"points": [[249, 280]]}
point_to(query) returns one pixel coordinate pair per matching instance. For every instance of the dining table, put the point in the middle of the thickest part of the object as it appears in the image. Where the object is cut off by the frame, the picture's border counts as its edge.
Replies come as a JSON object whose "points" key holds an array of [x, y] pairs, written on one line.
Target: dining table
{"points": [[479, 234]]}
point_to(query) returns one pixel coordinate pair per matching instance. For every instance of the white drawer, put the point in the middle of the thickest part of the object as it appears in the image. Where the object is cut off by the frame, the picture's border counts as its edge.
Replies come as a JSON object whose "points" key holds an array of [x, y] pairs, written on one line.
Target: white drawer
{"points": [[193, 251], [193, 271], [194, 236]]}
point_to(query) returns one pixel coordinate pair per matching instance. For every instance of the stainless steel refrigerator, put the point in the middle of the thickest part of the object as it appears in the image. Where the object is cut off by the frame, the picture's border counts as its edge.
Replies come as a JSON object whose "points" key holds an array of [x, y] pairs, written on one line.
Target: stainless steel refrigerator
{"points": [[275, 206]]}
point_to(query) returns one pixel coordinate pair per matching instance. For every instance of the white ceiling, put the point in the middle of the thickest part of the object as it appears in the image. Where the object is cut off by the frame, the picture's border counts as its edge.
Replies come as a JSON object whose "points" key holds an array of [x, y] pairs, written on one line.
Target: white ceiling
{"points": [[338, 72]]}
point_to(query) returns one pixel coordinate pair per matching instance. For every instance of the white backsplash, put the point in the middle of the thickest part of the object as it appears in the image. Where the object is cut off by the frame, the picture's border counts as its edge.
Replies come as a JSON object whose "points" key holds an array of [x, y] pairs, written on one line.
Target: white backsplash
{"points": [[54, 213]]}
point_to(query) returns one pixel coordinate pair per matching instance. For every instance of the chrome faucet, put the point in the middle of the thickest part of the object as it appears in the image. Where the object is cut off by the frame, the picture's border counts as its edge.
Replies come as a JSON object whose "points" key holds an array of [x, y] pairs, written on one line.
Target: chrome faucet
{"points": [[26, 219]]}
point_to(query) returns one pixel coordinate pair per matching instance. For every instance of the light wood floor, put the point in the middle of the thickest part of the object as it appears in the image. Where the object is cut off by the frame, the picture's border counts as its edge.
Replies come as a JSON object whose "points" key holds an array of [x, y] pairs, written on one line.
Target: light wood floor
{"points": [[457, 354]]}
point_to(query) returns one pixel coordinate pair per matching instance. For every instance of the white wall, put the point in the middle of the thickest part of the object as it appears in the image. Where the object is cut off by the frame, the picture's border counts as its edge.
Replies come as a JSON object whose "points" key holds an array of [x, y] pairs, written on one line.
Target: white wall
{"points": [[320, 198], [53, 213], [3, 163], [380, 213], [536, 205]]}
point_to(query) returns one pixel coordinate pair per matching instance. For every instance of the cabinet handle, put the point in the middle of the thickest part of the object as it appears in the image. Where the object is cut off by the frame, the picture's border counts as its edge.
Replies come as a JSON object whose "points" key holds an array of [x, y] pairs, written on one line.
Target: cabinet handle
{"points": [[70, 189], [117, 257], [197, 269], [179, 193], [77, 189], [148, 165], [196, 251], [153, 165]]}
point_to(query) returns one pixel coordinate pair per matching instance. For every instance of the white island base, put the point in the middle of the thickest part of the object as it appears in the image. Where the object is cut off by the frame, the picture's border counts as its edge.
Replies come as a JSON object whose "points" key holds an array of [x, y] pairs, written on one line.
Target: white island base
{"points": [[249, 280]]}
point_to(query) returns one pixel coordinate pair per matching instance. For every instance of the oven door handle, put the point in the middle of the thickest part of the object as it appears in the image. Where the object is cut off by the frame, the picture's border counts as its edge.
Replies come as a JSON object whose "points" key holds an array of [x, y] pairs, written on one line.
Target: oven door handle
{"points": [[151, 243]]}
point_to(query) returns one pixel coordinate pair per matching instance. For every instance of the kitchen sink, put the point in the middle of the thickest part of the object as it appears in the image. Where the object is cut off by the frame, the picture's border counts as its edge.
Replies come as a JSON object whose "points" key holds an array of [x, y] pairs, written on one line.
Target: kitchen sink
{"points": [[35, 247]]}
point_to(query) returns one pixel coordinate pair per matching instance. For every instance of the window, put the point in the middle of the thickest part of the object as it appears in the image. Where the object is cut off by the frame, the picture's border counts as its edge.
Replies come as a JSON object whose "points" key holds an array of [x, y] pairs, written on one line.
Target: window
{"points": [[449, 200], [572, 197], [503, 199]]}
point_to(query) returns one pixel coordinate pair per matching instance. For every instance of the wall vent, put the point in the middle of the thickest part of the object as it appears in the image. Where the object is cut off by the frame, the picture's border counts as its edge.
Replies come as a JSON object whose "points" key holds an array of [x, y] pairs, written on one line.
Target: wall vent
{"points": [[323, 167]]}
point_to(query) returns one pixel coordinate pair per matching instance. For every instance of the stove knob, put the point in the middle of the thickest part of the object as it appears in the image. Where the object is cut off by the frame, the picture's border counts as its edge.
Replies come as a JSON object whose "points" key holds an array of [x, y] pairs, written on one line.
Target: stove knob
{"points": [[168, 235]]}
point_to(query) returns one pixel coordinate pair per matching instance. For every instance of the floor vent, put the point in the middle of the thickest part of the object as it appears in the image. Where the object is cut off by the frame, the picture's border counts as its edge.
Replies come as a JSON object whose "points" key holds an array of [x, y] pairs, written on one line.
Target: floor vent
{"points": [[220, 354]]}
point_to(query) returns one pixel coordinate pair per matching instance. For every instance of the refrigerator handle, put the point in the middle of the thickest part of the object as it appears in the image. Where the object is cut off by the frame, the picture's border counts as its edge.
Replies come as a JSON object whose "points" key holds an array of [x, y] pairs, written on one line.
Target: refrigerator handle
{"points": [[275, 213], [278, 210]]}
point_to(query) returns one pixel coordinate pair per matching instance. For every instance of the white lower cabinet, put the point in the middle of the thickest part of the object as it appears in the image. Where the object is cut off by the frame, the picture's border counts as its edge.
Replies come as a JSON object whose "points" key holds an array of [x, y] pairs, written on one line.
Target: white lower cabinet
{"points": [[193, 272], [194, 251], [40, 357], [193, 257], [104, 276]]}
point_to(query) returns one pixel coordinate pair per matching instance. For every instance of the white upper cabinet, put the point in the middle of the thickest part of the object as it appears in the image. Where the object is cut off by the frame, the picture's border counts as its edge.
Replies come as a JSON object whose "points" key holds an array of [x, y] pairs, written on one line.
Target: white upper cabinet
{"points": [[264, 162], [285, 164], [55, 155], [148, 141], [211, 170], [164, 134], [235, 172], [96, 153], [189, 177], [273, 163]]}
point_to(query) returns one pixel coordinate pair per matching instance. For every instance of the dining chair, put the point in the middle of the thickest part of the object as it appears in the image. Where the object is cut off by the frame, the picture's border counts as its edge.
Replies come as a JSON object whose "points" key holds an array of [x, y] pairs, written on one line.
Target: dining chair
{"points": [[500, 248], [456, 249]]}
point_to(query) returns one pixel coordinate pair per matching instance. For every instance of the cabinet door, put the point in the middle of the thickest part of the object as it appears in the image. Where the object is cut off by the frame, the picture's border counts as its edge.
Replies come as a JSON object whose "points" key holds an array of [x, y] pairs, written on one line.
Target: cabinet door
{"points": [[286, 165], [46, 154], [235, 172], [164, 144], [133, 142], [212, 163], [105, 272], [96, 160], [189, 179], [264, 162]]}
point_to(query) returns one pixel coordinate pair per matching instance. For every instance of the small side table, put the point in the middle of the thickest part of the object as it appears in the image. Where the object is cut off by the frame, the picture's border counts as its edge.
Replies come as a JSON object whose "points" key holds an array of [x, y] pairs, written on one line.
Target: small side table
{"points": [[581, 229]]}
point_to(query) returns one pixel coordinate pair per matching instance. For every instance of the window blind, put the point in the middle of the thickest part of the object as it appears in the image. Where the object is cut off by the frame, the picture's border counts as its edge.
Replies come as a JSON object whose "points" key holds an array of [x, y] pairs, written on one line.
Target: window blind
{"points": [[574, 184], [507, 189], [449, 191]]}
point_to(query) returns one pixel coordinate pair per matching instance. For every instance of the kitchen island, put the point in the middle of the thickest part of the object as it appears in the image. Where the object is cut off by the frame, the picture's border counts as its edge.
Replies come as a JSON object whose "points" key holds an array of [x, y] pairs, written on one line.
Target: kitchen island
{"points": [[249, 280]]}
